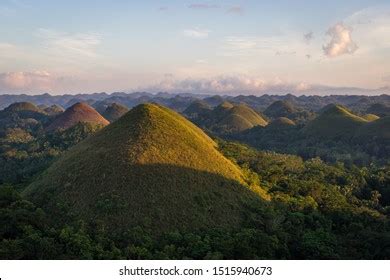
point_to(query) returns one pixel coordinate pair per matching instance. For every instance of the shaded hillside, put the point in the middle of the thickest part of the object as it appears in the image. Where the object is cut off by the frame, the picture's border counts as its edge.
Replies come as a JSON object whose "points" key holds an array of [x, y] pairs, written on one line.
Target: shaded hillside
{"points": [[370, 117], [335, 122], [54, 110], [114, 112], [226, 118], [79, 112], [284, 108], [153, 168], [379, 109], [375, 131]]}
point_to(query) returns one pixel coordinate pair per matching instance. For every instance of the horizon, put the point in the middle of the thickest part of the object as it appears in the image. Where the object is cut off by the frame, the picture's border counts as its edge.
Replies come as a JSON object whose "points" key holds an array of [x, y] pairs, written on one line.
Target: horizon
{"points": [[196, 47]]}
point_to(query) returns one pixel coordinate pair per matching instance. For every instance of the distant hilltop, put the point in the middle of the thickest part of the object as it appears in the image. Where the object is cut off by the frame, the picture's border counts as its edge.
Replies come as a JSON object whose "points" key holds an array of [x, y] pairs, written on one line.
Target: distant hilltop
{"points": [[179, 102]]}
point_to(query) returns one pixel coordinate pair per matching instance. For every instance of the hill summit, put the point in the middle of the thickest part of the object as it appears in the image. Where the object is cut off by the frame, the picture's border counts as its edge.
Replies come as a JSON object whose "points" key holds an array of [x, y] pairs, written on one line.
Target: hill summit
{"points": [[335, 122], [153, 168], [114, 111], [79, 112]]}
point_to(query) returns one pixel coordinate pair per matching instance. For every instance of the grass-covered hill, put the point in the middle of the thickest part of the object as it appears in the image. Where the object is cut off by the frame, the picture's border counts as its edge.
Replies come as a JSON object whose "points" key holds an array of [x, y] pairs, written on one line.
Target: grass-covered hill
{"points": [[198, 109], [334, 122], [54, 110], [114, 111], [153, 168], [225, 118], [79, 112], [379, 109], [286, 109], [378, 131], [370, 117]]}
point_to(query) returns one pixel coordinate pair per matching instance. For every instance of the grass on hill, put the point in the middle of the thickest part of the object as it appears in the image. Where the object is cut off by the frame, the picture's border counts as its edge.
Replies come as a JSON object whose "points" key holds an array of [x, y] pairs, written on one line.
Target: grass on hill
{"points": [[153, 168], [335, 122]]}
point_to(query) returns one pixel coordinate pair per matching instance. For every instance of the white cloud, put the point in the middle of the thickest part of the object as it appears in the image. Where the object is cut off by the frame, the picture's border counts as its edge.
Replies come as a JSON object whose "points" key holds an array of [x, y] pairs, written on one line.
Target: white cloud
{"points": [[234, 84], [196, 33], [340, 41], [36, 80], [65, 44]]}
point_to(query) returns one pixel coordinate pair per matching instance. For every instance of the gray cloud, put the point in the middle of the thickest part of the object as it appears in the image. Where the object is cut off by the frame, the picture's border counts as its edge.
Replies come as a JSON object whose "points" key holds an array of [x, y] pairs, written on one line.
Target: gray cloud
{"points": [[238, 10], [308, 37], [202, 6]]}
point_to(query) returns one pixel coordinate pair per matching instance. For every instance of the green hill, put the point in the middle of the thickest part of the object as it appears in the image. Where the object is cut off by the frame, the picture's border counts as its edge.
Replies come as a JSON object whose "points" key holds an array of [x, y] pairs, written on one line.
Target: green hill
{"points": [[378, 131], [379, 109], [198, 108], [115, 111], [153, 168], [54, 110], [79, 112], [370, 117], [281, 123], [335, 122], [280, 109], [229, 118], [23, 106]]}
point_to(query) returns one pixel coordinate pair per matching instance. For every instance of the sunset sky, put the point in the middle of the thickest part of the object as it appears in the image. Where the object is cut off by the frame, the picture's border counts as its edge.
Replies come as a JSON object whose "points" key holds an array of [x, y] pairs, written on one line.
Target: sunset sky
{"points": [[201, 47]]}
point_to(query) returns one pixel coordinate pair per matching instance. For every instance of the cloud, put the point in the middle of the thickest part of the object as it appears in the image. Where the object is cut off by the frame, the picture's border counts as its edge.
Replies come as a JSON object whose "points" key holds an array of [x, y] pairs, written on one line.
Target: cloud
{"points": [[237, 84], [203, 6], [308, 37], [238, 10], [78, 44], [36, 80], [196, 33], [340, 41], [163, 8]]}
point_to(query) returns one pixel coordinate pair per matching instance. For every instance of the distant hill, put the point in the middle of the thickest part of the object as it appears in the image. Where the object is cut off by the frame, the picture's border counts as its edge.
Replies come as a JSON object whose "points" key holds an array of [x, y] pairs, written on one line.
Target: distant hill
{"points": [[152, 168], [198, 109], [79, 112], [379, 109], [370, 117], [281, 122], [280, 108], [226, 118], [374, 131], [24, 115], [114, 112], [53, 110], [334, 122], [286, 109]]}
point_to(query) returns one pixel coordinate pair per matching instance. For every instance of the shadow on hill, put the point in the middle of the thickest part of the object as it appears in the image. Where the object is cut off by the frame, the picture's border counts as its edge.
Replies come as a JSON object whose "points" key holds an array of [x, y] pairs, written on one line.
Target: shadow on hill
{"points": [[157, 197]]}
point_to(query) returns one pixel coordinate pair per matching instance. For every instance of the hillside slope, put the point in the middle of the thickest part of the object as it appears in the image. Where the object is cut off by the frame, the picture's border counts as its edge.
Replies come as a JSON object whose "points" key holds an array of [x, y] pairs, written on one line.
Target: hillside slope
{"points": [[152, 168], [79, 112]]}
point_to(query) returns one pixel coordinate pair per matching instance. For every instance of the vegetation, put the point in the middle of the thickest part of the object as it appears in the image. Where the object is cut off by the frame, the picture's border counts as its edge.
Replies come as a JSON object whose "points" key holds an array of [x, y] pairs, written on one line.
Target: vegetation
{"points": [[114, 111], [152, 185]]}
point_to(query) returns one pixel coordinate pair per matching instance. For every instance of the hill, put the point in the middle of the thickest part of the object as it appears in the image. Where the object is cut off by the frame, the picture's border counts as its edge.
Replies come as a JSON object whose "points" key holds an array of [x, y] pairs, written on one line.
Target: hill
{"points": [[286, 109], [115, 111], [280, 108], [335, 122], [79, 112], [53, 110], [198, 108], [370, 117], [229, 118], [379, 109], [375, 131], [281, 122], [152, 168]]}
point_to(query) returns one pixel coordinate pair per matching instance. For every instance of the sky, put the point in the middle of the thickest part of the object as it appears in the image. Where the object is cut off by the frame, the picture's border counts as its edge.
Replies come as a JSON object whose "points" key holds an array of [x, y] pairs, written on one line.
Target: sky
{"points": [[223, 47]]}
